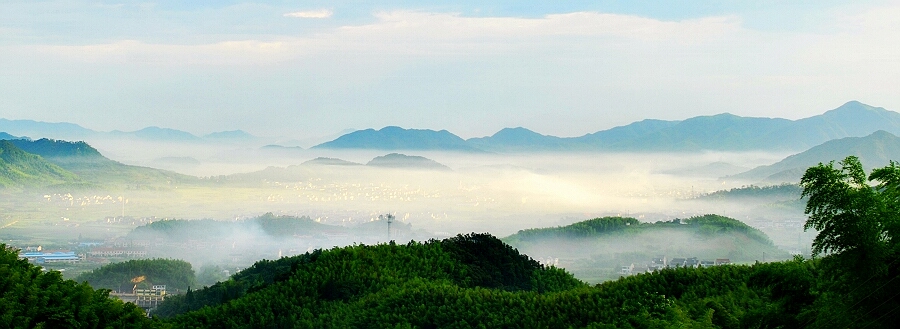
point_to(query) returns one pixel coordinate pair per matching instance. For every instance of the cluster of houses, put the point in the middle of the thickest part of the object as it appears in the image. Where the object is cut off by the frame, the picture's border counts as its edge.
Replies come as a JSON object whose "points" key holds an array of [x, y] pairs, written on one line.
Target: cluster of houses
{"points": [[661, 262], [85, 251], [39, 257]]}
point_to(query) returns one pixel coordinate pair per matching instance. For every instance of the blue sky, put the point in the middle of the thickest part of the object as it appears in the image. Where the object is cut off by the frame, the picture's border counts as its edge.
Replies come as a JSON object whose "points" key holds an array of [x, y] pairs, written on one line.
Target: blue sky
{"points": [[313, 68]]}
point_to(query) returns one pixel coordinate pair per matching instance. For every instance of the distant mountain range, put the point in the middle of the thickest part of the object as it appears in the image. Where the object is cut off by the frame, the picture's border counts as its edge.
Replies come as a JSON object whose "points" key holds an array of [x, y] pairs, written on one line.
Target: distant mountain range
{"points": [[875, 150], [30, 129], [722, 132]]}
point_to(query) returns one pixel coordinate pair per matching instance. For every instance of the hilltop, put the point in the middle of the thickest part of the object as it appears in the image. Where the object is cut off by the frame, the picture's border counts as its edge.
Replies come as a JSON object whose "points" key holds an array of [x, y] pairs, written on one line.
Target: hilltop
{"points": [[94, 168], [176, 275], [396, 160], [22, 169], [595, 249], [322, 161], [396, 138]]}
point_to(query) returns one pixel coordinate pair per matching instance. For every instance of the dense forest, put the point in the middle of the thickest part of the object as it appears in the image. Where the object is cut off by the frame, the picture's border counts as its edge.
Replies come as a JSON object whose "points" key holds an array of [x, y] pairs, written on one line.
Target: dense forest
{"points": [[176, 275], [22, 169], [772, 192], [598, 227], [31, 298], [207, 229], [595, 250]]}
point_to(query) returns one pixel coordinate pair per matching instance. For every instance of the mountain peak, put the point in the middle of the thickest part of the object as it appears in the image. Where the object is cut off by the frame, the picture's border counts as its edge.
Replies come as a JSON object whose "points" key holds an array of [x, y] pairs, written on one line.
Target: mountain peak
{"points": [[230, 134], [855, 107], [397, 138]]}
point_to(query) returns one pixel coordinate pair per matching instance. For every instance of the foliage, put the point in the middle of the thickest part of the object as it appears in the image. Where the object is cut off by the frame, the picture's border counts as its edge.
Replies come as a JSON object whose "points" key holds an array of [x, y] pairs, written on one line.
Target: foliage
{"points": [[459, 283], [858, 233], [50, 148], [176, 275], [588, 228], [208, 275], [599, 227], [31, 298], [208, 229], [20, 168], [783, 191]]}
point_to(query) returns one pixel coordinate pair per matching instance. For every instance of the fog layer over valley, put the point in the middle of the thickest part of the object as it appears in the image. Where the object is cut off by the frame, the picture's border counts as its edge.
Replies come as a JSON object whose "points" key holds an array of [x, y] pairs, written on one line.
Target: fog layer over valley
{"points": [[323, 198]]}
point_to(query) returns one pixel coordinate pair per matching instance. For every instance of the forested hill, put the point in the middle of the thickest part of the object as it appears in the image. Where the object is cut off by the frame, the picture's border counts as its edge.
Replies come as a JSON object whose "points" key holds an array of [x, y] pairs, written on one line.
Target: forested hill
{"points": [[476, 280], [94, 168], [32, 298], [176, 275], [595, 250], [267, 225], [23, 169], [329, 282], [703, 226], [49, 148]]}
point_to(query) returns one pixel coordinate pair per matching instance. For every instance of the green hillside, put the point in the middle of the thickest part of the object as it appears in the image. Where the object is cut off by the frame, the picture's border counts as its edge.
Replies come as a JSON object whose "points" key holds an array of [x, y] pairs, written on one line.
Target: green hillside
{"points": [[32, 298], [397, 160], [86, 162], [324, 281], [477, 281], [594, 250], [22, 169], [207, 229], [176, 275]]}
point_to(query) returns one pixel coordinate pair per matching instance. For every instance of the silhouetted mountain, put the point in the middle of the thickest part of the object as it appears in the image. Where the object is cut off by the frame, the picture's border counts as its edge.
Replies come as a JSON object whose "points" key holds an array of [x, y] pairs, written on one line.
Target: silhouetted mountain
{"points": [[517, 139], [159, 134], [322, 161], [233, 136], [23, 169], [396, 138], [721, 132], [396, 160], [230, 134], [38, 129], [875, 150], [853, 119], [279, 149], [6, 136]]}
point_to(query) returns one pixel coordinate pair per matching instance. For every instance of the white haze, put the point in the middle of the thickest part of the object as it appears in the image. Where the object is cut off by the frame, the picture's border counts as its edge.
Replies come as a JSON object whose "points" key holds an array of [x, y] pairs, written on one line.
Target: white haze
{"points": [[499, 193], [484, 192]]}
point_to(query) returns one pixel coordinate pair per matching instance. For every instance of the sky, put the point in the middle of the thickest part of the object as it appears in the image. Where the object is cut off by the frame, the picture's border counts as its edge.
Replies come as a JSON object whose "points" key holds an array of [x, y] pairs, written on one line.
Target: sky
{"points": [[303, 69]]}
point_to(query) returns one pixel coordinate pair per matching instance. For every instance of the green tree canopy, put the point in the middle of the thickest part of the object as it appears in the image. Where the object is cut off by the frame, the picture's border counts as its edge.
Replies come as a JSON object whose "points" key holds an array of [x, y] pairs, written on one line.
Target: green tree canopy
{"points": [[857, 225]]}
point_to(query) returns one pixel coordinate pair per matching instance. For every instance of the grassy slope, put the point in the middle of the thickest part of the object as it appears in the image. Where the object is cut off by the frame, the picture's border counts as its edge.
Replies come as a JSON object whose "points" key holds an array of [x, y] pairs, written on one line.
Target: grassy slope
{"points": [[23, 169]]}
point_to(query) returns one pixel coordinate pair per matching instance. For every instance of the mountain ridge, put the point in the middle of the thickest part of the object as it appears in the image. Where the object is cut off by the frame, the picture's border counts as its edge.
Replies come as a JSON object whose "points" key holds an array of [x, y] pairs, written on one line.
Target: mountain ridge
{"points": [[720, 132], [874, 150]]}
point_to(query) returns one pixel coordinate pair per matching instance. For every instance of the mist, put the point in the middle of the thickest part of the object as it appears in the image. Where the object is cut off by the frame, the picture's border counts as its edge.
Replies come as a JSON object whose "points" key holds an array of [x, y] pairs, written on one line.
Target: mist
{"points": [[483, 192]]}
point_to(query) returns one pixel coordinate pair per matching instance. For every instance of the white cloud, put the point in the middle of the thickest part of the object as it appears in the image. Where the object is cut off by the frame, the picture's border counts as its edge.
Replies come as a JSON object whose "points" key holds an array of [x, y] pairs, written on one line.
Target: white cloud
{"points": [[511, 71], [415, 34], [321, 13]]}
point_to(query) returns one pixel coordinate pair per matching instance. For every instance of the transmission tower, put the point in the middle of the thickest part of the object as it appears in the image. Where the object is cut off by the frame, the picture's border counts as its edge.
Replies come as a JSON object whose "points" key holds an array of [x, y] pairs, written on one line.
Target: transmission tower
{"points": [[390, 219]]}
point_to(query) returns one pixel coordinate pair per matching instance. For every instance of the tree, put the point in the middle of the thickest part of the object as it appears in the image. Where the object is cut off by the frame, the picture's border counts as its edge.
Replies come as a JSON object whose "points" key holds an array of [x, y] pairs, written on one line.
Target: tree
{"points": [[857, 225]]}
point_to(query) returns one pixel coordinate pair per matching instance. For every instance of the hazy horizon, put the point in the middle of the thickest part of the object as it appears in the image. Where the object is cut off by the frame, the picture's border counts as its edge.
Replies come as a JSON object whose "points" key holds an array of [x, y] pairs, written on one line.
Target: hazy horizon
{"points": [[311, 70]]}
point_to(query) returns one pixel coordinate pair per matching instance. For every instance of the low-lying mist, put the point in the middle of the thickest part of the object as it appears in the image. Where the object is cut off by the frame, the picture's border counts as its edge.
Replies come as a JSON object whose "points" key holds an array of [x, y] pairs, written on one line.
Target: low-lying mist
{"points": [[496, 193]]}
